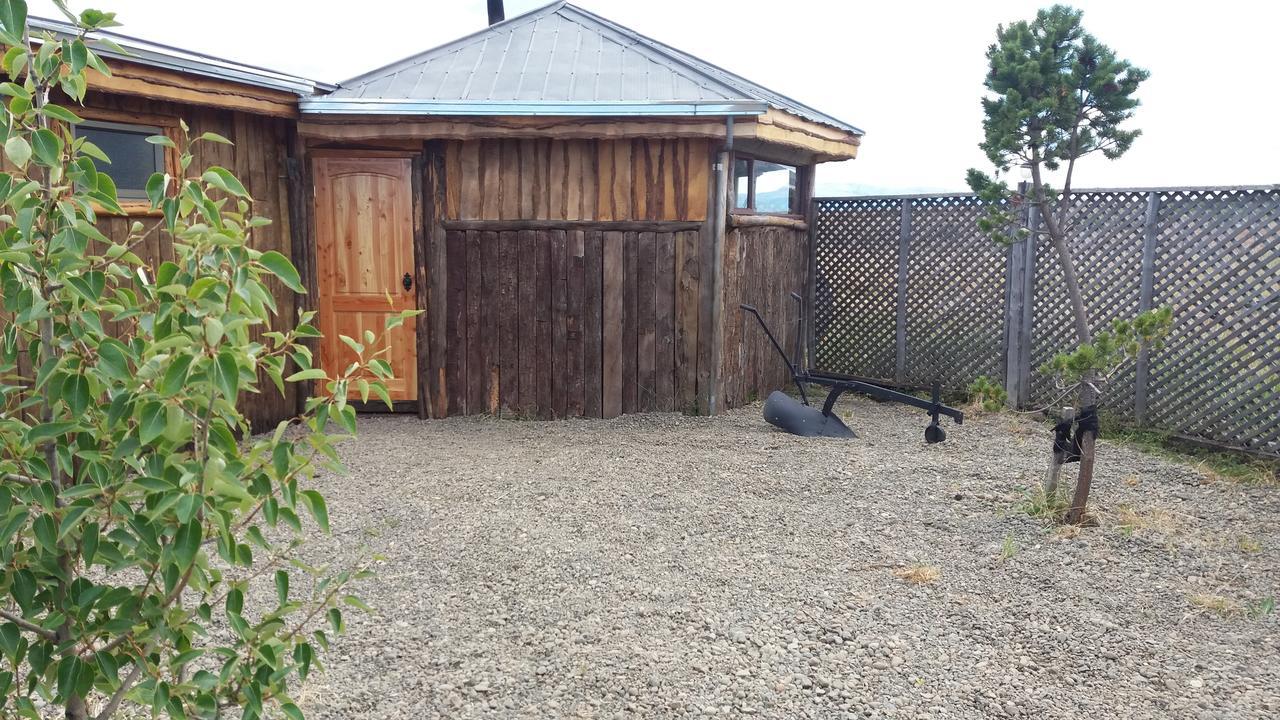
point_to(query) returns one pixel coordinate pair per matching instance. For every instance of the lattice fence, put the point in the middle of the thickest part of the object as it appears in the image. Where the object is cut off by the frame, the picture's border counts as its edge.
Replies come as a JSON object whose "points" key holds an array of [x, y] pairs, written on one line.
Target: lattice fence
{"points": [[855, 289], [907, 290]]}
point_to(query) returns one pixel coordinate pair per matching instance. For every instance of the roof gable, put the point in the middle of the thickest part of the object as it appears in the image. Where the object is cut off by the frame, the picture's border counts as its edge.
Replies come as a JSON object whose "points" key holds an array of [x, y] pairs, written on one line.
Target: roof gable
{"points": [[561, 54]]}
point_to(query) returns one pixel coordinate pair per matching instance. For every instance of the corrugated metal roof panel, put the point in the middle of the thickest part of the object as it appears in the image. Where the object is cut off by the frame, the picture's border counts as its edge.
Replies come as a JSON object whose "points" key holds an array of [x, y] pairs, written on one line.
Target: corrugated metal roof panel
{"points": [[560, 53]]}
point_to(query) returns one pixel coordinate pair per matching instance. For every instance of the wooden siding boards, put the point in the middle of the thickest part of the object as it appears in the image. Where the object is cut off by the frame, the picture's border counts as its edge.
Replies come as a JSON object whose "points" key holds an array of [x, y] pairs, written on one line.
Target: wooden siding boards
{"points": [[762, 266], [555, 320]]}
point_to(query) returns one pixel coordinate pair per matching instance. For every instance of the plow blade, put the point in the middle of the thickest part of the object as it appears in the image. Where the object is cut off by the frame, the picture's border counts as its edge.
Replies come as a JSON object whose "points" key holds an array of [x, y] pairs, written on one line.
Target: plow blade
{"points": [[786, 413]]}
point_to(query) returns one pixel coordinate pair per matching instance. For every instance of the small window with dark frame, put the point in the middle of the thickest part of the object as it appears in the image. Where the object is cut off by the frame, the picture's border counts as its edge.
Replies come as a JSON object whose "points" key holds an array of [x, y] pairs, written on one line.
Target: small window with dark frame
{"points": [[133, 159], [764, 187]]}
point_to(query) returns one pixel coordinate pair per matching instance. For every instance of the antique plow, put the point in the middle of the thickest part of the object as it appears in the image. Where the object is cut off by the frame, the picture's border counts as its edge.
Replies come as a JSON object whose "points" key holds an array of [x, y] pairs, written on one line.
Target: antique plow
{"points": [[798, 417]]}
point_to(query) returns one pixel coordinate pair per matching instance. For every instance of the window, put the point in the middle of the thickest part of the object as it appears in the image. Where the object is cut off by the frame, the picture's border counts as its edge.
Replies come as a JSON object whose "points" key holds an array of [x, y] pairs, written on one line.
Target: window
{"points": [[133, 159], [765, 187]]}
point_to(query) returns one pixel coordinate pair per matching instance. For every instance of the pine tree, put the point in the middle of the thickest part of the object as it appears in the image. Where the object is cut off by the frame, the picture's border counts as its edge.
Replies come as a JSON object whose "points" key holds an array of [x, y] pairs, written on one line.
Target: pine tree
{"points": [[1056, 95]]}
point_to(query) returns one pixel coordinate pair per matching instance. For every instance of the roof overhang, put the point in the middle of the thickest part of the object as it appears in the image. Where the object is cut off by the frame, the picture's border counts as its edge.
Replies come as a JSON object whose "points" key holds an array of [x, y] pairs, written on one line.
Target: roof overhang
{"points": [[519, 108], [144, 52]]}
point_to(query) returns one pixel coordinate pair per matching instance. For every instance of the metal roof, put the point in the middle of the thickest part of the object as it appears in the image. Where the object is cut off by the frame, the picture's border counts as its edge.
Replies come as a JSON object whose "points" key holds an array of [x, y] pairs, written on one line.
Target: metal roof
{"points": [[557, 60], [158, 55]]}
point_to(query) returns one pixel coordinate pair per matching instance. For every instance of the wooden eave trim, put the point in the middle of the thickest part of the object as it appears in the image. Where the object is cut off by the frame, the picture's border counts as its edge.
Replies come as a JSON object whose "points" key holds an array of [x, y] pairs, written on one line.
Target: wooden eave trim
{"points": [[366, 129], [168, 85], [783, 128]]}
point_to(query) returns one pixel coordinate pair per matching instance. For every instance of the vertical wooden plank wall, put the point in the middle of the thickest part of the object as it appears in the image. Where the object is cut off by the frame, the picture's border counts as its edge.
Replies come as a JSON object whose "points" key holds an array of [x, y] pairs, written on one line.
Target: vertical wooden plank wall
{"points": [[762, 267], [566, 316], [259, 158]]}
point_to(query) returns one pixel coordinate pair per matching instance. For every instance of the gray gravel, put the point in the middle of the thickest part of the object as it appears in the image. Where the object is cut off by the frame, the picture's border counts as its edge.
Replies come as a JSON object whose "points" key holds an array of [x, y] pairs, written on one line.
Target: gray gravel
{"points": [[670, 566]]}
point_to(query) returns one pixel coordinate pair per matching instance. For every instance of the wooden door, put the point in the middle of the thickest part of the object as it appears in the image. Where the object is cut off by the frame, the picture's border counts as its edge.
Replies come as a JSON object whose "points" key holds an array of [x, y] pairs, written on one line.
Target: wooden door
{"points": [[364, 252]]}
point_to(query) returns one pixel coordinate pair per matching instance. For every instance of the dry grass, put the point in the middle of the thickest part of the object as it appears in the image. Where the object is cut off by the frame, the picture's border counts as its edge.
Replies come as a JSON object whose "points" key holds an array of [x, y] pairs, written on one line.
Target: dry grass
{"points": [[918, 574], [1067, 532], [1249, 545], [1215, 604], [1130, 519]]}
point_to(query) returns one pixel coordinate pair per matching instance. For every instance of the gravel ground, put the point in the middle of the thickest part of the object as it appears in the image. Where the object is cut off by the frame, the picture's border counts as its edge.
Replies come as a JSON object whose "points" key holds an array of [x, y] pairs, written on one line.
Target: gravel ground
{"points": [[670, 566]]}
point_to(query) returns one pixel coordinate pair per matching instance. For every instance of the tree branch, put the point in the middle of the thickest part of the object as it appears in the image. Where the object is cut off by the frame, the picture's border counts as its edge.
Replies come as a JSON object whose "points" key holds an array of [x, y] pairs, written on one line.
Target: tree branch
{"points": [[28, 626], [118, 696]]}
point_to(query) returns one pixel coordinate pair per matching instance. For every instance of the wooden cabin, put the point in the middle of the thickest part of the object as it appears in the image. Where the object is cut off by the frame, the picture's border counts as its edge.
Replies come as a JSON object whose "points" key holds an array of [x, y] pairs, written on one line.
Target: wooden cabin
{"points": [[578, 209]]}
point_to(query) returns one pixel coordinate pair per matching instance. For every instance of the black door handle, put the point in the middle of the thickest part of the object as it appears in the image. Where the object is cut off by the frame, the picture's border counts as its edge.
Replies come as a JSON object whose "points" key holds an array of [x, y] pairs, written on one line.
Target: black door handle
{"points": [[407, 281]]}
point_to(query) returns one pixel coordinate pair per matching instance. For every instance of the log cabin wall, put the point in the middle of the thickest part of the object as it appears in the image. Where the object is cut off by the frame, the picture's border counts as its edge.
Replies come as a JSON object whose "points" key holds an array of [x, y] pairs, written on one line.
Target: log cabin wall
{"points": [[762, 266], [258, 158], [567, 276]]}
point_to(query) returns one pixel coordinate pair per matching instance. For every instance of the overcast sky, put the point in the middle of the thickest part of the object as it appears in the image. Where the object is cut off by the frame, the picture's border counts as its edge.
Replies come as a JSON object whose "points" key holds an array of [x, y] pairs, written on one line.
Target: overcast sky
{"points": [[908, 73]]}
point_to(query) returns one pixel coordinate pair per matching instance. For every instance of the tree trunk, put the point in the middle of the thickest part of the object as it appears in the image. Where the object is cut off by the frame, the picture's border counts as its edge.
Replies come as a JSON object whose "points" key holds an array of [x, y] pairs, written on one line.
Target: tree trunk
{"points": [[1084, 335], [1088, 443], [1057, 458]]}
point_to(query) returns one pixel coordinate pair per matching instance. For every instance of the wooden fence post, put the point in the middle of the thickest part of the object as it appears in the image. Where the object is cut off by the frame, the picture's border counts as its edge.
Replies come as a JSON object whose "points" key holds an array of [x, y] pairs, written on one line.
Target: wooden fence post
{"points": [[1019, 304], [1145, 298], [904, 249], [1015, 260], [1027, 307]]}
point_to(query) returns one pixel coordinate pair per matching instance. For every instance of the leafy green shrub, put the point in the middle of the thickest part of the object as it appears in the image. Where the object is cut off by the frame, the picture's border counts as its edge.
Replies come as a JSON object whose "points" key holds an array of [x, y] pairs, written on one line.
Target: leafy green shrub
{"points": [[987, 394], [134, 506]]}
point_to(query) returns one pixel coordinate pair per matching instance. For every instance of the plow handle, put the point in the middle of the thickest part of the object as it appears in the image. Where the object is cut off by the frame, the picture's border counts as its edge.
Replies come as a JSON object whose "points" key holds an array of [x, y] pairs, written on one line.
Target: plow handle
{"points": [[791, 367]]}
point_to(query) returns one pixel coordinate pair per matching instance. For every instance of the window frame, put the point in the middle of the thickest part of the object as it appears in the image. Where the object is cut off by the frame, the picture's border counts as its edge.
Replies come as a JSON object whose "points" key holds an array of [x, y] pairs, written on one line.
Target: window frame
{"points": [[154, 125], [796, 201]]}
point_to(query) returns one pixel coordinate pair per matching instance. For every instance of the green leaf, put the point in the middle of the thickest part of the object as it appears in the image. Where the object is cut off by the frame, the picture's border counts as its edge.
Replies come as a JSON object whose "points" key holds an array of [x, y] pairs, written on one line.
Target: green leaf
{"points": [[280, 266], [46, 533], [13, 19], [186, 543], [18, 150], [76, 394], [175, 377], [316, 505], [214, 137], [227, 375], [50, 430], [292, 711], [156, 185], [162, 140], [57, 112], [282, 586], [69, 671], [151, 422], [312, 374], [89, 543], [356, 602], [222, 179], [71, 519], [47, 147]]}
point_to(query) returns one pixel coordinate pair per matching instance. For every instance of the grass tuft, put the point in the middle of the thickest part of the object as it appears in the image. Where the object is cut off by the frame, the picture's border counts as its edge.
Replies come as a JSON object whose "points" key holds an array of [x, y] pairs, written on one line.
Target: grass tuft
{"points": [[1215, 604], [1047, 507], [1008, 548], [918, 574], [1129, 520], [1249, 545]]}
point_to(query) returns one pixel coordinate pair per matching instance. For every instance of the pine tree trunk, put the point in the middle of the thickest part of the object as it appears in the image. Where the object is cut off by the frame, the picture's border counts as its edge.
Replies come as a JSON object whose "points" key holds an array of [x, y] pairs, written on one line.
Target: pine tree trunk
{"points": [[1089, 383], [1088, 446]]}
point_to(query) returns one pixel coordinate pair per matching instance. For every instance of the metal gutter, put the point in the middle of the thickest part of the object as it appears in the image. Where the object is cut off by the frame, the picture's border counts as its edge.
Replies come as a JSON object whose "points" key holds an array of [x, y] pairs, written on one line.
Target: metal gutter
{"points": [[167, 57], [408, 106]]}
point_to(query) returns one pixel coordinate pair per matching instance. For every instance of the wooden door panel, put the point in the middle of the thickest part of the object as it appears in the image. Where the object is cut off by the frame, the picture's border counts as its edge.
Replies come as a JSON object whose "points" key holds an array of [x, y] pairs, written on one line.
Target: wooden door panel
{"points": [[364, 248]]}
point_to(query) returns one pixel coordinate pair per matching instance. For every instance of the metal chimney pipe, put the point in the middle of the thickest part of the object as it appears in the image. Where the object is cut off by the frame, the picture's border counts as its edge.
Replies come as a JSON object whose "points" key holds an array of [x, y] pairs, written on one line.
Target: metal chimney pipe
{"points": [[496, 13]]}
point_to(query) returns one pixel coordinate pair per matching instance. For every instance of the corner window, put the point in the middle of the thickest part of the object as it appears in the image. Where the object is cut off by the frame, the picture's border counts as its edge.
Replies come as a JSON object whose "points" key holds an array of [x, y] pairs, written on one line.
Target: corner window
{"points": [[764, 187], [133, 159]]}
